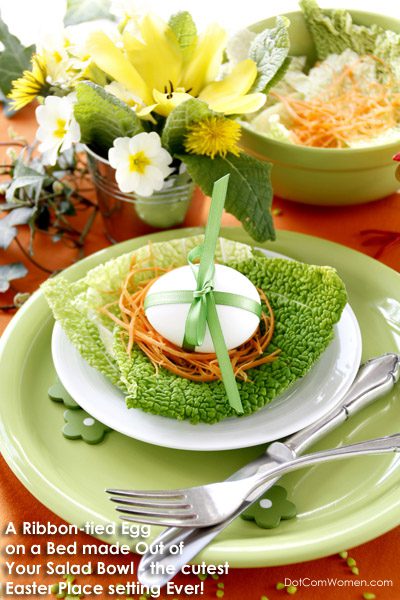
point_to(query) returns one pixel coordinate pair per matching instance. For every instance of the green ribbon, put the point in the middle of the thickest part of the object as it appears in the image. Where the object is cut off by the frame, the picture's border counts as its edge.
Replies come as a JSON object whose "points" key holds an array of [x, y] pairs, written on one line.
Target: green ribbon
{"points": [[203, 301]]}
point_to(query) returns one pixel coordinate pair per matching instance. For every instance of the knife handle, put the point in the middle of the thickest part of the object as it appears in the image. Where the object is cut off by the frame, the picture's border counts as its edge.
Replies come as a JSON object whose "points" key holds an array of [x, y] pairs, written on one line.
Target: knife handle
{"points": [[375, 378]]}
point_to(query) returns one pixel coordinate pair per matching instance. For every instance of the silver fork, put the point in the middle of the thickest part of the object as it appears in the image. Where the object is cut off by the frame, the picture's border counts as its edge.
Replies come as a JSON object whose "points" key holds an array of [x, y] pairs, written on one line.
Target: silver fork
{"points": [[207, 505]]}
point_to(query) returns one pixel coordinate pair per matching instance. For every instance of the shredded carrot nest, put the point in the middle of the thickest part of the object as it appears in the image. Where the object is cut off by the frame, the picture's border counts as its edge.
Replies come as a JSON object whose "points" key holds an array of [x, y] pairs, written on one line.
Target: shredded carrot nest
{"points": [[345, 111], [196, 366]]}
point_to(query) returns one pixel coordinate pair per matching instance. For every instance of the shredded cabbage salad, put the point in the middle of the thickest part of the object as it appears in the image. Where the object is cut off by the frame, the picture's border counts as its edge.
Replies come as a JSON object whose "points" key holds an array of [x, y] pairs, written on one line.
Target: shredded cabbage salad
{"points": [[349, 98]]}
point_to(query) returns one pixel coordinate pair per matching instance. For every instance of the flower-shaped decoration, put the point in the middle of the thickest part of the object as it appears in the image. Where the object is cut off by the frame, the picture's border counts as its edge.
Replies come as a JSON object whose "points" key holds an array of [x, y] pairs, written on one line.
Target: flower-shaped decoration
{"points": [[270, 509], [80, 425], [58, 393]]}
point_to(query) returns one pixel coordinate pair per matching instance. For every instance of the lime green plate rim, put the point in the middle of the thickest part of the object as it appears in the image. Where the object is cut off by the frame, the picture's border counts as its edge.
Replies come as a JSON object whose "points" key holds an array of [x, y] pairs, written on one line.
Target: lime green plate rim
{"points": [[371, 521]]}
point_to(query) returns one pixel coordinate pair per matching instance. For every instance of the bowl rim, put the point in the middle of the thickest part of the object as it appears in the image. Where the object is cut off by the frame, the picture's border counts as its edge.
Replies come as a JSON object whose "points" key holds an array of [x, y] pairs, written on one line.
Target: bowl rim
{"points": [[313, 149]]}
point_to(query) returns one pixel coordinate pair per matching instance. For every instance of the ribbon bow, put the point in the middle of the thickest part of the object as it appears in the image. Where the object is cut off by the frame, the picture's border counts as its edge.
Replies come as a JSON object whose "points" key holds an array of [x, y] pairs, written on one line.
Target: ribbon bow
{"points": [[203, 300]]}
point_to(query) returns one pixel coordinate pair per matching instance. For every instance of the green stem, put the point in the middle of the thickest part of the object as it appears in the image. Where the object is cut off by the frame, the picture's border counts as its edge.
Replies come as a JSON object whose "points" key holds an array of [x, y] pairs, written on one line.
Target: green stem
{"points": [[88, 226]]}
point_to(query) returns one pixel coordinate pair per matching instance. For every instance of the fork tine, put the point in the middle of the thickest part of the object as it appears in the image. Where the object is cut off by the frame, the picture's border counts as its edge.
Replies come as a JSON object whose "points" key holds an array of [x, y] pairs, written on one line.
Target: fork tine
{"points": [[158, 514], [170, 494], [155, 503]]}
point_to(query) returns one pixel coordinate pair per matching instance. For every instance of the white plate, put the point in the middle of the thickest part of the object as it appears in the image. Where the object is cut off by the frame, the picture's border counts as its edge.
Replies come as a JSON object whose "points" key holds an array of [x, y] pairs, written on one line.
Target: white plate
{"points": [[307, 400]]}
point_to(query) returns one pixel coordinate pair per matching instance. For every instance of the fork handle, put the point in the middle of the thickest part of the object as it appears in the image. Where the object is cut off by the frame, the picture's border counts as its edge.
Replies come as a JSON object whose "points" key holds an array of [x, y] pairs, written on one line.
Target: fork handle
{"points": [[374, 379], [389, 443]]}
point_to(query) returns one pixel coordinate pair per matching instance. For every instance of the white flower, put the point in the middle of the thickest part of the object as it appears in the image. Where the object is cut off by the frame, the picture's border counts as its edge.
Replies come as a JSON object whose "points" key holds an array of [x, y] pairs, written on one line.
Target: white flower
{"points": [[58, 129], [140, 162], [127, 9], [52, 48]]}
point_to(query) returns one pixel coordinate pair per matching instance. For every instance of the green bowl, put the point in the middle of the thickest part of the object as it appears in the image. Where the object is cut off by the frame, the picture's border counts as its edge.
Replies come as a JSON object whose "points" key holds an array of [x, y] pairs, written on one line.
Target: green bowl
{"points": [[325, 176]]}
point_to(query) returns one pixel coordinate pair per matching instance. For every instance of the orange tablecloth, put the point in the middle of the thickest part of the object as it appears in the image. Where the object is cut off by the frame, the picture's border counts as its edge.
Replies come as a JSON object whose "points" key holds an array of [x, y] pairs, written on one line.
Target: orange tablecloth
{"points": [[378, 560]]}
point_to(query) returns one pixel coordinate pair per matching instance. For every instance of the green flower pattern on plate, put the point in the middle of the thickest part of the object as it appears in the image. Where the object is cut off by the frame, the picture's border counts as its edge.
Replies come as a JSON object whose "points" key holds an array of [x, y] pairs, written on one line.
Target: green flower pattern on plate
{"points": [[58, 393], [271, 509], [80, 425]]}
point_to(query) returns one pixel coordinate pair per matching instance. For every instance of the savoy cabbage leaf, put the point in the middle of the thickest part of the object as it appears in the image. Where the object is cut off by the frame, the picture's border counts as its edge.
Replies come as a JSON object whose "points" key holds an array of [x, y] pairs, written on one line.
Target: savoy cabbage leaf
{"points": [[307, 302]]}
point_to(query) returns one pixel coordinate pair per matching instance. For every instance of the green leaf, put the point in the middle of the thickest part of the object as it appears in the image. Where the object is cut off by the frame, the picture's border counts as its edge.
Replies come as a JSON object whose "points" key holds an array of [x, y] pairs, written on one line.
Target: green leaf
{"points": [[14, 58], [8, 231], [185, 30], [281, 72], [81, 11], [7, 105], [23, 182], [269, 51], [10, 272], [249, 194], [178, 121], [103, 117]]}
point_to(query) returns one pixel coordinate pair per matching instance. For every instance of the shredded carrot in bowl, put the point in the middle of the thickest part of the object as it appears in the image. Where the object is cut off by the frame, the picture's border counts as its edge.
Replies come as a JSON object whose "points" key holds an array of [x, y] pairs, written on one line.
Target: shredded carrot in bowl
{"points": [[128, 313], [345, 111]]}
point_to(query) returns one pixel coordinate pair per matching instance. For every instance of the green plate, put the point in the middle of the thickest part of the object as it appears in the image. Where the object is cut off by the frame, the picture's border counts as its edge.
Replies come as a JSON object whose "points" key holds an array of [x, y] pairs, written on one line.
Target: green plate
{"points": [[340, 504]]}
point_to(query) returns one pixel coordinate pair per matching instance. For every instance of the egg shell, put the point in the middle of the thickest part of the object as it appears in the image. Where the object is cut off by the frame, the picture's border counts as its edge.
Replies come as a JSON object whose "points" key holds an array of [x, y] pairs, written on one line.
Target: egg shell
{"points": [[237, 324]]}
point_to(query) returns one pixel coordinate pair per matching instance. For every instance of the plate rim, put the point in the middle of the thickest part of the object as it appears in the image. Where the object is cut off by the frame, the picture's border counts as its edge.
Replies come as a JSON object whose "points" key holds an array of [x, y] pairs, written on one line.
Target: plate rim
{"points": [[258, 552]]}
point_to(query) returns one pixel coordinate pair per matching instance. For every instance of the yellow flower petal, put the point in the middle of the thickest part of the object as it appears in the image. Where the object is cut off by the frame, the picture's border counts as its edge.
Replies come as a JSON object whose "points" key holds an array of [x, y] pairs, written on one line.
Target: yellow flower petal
{"points": [[109, 58], [238, 105], [145, 113], [146, 110], [158, 57], [206, 60], [167, 102], [237, 83]]}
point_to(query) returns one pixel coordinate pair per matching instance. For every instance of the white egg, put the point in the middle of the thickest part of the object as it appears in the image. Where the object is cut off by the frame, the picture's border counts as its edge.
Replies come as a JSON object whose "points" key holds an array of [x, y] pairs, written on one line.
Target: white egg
{"points": [[237, 324]]}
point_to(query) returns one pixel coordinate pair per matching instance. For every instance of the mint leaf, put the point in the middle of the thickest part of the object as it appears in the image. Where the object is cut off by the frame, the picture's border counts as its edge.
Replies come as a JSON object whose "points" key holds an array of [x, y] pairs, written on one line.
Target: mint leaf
{"points": [[185, 30], [249, 194], [10, 272], [103, 118], [81, 11], [14, 58], [269, 51], [178, 121]]}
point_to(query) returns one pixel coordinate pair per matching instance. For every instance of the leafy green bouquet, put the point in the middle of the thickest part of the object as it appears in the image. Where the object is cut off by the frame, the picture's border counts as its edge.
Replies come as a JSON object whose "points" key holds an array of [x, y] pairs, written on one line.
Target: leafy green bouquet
{"points": [[156, 99]]}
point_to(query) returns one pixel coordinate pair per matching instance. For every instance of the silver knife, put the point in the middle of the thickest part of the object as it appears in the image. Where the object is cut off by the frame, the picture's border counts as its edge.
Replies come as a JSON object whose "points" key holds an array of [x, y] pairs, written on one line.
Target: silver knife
{"points": [[374, 379]]}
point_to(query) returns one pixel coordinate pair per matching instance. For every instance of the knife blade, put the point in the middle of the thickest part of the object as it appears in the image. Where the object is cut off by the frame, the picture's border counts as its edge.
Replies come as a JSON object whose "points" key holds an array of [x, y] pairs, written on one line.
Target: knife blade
{"points": [[374, 379]]}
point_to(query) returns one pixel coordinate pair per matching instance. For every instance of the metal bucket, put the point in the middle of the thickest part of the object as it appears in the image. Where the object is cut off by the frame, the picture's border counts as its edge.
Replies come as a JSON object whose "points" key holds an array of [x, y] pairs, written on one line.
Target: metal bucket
{"points": [[128, 215]]}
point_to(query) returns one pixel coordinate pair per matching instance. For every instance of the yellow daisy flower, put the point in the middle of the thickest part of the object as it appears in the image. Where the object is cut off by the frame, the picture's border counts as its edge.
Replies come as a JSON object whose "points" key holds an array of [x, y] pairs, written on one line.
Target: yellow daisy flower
{"points": [[32, 84], [213, 136]]}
